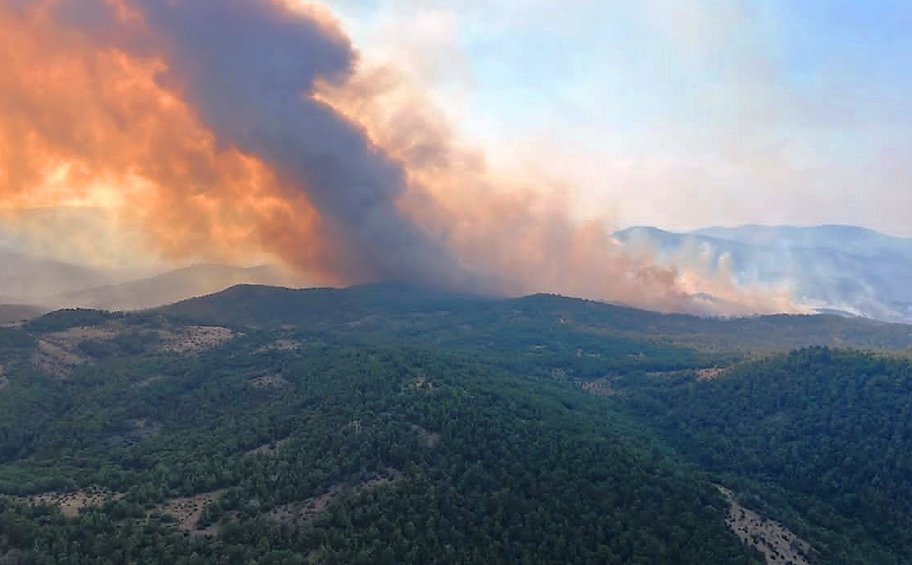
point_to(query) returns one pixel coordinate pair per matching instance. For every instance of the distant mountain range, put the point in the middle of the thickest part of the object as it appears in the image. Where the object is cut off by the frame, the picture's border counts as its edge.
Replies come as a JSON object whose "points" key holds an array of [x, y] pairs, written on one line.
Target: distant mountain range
{"points": [[836, 269], [12, 313], [42, 265], [829, 269], [27, 278], [48, 284], [172, 286]]}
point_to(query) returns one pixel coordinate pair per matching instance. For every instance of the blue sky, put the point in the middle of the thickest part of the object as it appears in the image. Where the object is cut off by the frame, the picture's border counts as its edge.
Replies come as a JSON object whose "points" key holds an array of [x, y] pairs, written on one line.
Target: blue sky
{"points": [[678, 114]]}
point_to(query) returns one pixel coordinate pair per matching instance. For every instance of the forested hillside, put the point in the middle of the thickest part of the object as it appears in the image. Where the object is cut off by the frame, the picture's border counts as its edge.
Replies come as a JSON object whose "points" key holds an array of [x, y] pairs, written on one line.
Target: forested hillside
{"points": [[384, 424], [342, 454], [821, 437]]}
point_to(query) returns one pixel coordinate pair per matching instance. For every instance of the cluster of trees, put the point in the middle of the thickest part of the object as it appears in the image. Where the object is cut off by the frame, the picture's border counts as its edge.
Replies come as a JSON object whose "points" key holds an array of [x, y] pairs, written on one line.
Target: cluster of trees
{"points": [[487, 464], [473, 410], [821, 438]]}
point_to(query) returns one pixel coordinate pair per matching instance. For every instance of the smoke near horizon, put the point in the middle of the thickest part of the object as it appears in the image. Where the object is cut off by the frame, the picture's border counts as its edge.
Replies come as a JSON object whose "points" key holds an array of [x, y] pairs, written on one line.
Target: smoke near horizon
{"points": [[242, 129]]}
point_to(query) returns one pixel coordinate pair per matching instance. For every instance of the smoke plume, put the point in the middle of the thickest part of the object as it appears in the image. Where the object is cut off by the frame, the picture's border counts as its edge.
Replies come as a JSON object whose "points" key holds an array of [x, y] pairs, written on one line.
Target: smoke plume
{"points": [[242, 127]]}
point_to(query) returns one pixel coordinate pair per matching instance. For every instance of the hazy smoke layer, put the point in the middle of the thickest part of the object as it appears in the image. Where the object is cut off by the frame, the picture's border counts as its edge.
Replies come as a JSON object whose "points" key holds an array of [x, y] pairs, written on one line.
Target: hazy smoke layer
{"points": [[242, 126]]}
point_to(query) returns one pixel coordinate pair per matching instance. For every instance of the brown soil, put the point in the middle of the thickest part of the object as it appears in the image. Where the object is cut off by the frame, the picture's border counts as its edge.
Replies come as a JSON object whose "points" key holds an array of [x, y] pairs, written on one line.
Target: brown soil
{"points": [[308, 510], [423, 384], [188, 510], [268, 381], [70, 503], [598, 387], [778, 544], [146, 382], [430, 439], [711, 373], [146, 428], [281, 345], [266, 449], [88, 333], [55, 359], [58, 353], [194, 339]]}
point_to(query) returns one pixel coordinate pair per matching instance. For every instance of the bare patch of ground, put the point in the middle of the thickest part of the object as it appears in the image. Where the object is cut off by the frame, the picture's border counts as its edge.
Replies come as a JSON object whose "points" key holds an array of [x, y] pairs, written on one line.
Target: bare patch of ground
{"points": [[71, 503], [146, 428], [58, 353], [308, 510], [187, 511], [194, 339], [268, 381], [422, 384], [430, 439], [598, 387], [281, 345], [103, 332], [139, 431], [55, 359], [710, 373], [778, 544], [266, 449], [148, 381]]}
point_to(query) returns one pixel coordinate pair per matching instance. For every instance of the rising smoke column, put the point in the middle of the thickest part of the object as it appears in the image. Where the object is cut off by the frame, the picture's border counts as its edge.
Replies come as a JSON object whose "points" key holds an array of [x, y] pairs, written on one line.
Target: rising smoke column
{"points": [[245, 123], [250, 69]]}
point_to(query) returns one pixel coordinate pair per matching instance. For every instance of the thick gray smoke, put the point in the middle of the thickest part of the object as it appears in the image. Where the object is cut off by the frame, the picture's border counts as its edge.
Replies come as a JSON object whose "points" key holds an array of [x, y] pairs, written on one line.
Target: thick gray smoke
{"points": [[226, 128], [250, 70]]}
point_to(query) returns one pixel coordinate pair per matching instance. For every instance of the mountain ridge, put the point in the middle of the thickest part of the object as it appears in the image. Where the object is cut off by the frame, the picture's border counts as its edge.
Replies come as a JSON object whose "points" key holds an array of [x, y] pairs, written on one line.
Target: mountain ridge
{"points": [[841, 268], [402, 310]]}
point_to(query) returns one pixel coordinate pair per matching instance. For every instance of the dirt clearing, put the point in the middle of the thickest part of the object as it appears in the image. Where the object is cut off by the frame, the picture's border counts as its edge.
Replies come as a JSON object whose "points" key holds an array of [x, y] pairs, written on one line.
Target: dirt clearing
{"points": [[308, 510], [59, 353], [778, 544], [710, 373], [194, 339], [71, 503], [268, 381], [187, 511]]}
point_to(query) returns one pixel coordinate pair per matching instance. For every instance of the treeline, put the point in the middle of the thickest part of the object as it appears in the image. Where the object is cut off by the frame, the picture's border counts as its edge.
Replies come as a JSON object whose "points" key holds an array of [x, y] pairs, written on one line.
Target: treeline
{"points": [[483, 465], [820, 437]]}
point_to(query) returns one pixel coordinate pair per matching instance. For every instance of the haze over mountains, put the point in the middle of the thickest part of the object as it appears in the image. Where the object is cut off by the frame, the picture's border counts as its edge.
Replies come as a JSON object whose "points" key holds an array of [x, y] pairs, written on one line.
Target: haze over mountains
{"points": [[836, 269], [826, 268], [49, 284]]}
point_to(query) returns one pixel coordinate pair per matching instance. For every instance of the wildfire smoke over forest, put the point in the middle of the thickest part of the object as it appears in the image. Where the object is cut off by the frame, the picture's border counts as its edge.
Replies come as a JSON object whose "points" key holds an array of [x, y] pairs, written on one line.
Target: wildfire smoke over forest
{"points": [[250, 128]]}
